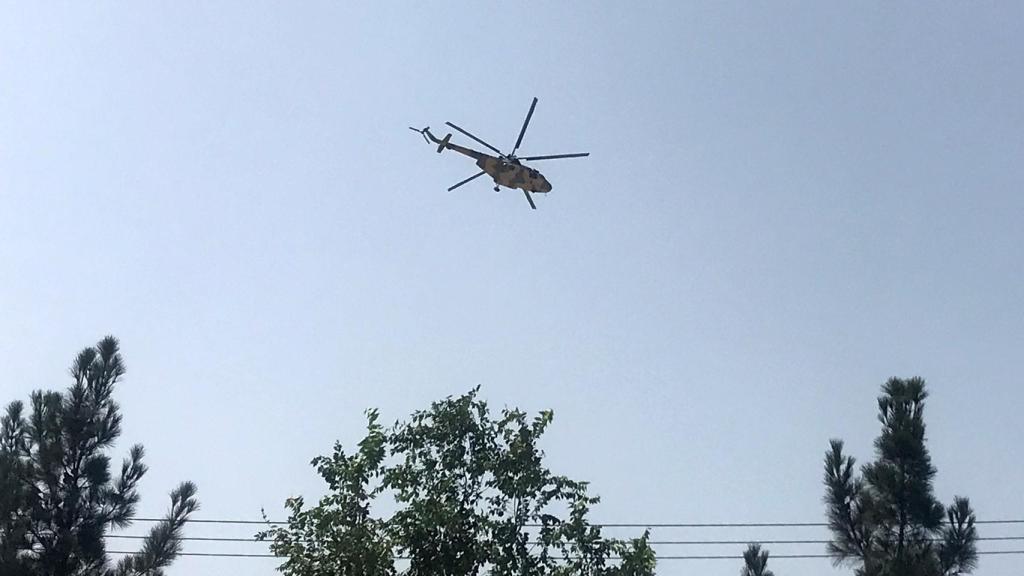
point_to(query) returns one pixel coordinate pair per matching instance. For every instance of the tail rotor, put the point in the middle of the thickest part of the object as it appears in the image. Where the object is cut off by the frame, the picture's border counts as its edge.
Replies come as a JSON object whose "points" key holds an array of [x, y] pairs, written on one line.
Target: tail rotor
{"points": [[422, 132]]}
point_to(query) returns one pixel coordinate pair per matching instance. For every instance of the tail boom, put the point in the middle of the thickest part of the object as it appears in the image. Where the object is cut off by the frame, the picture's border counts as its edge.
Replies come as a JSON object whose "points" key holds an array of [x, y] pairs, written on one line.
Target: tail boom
{"points": [[445, 143]]}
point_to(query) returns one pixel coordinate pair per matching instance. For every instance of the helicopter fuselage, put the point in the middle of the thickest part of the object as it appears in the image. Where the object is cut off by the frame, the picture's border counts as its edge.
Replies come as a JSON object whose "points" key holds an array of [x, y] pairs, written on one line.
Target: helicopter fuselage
{"points": [[507, 173], [512, 174]]}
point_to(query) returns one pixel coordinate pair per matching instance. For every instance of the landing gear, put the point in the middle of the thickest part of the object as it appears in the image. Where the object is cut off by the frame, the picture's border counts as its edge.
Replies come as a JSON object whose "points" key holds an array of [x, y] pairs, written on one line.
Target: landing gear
{"points": [[496, 189]]}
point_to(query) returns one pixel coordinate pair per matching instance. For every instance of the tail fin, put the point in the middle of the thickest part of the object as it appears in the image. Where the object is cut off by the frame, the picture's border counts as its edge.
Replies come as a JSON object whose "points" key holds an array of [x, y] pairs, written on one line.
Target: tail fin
{"points": [[444, 143]]}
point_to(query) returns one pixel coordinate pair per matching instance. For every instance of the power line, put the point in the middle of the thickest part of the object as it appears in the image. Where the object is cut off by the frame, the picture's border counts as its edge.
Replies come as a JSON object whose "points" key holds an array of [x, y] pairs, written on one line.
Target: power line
{"points": [[653, 543], [754, 524], [697, 557], [605, 525], [207, 554], [690, 557]]}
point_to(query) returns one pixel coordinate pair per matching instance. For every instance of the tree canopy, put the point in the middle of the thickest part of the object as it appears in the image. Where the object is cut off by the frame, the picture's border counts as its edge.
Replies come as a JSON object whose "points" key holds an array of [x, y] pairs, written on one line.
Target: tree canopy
{"points": [[466, 493], [58, 495], [887, 521]]}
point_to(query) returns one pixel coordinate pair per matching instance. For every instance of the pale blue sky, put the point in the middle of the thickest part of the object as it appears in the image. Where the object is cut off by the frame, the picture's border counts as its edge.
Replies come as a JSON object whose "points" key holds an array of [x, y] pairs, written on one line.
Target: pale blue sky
{"points": [[786, 204]]}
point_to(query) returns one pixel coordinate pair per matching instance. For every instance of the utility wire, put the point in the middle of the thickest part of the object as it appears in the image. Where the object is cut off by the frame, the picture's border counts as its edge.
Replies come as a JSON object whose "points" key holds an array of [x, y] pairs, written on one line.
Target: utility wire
{"points": [[653, 525], [705, 557], [653, 543]]}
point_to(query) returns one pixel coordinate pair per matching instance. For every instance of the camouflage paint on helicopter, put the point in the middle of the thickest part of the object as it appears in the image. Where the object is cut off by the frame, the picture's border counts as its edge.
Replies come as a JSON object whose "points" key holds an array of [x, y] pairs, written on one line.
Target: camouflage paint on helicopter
{"points": [[505, 169]]}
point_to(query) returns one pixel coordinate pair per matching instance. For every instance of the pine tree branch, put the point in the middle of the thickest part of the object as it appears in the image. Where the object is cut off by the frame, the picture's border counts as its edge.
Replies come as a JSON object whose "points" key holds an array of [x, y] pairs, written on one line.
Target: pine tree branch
{"points": [[958, 552], [163, 544]]}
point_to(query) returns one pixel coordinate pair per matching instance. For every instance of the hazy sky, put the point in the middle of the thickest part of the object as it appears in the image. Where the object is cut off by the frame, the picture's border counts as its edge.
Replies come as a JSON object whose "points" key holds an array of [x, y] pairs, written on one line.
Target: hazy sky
{"points": [[786, 204]]}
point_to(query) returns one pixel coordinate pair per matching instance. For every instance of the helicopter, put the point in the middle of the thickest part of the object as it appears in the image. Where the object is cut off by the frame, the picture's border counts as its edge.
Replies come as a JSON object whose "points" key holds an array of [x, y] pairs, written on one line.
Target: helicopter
{"points": [[506, 169]]}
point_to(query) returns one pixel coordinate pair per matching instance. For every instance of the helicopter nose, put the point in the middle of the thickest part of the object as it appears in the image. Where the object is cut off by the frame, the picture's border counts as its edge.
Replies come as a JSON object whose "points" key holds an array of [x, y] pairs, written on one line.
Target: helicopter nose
{"points": [[545, 186]]}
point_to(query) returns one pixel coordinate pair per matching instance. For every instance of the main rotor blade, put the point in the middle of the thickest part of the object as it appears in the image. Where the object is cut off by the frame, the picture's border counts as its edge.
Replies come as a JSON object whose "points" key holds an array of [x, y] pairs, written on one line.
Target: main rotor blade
{"points": [[525, 124], [556, 156], [530, 200], [475, 138], [477, 175]]}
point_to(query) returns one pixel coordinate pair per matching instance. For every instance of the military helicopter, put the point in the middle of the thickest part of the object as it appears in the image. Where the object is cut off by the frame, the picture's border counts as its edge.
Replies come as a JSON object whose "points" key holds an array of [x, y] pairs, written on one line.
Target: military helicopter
{"points": [[506, 169]]}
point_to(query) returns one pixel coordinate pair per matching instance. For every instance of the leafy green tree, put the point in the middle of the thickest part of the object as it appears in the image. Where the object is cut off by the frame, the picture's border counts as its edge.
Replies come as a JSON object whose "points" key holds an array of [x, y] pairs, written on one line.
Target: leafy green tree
{"points": [[755, 562], [468, 494], [58, 497], [887, 521]]}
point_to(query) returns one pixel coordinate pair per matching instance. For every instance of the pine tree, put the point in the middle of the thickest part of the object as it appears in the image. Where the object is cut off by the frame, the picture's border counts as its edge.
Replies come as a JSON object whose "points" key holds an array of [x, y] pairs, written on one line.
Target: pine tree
{"points": [[755, 562], [58, 497], [887, 522]]}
